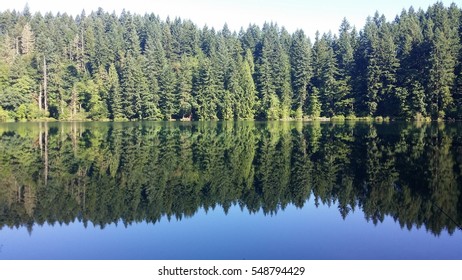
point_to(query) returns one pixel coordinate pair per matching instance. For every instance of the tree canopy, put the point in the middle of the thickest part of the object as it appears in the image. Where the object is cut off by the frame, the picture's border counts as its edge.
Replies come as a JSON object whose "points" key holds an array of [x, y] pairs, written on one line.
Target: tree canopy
{"points": [[103, 173], [129, 66]]}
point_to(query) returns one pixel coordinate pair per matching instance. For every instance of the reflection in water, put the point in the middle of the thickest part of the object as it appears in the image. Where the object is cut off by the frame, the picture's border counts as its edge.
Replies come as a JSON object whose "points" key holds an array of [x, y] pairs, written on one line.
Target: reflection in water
{"points": [[109, 172]]}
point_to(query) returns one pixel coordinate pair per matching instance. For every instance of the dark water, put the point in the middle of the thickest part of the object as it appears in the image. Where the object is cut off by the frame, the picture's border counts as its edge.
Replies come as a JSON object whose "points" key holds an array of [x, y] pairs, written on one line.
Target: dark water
{"points": [[246, 190]]}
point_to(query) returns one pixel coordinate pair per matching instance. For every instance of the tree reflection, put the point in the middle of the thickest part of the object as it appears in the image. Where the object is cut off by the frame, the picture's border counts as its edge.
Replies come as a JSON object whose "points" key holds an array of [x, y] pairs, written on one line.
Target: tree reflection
{"points": [[110, 172]]}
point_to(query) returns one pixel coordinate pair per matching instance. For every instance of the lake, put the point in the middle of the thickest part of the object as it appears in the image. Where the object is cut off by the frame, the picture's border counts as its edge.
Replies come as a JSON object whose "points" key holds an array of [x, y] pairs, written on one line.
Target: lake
{"points": [[230, 190]]}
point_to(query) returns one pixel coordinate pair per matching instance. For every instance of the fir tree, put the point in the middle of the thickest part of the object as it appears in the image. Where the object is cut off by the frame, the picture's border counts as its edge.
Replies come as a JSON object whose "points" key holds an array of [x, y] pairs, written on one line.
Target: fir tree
{"points": [[301, 73]]}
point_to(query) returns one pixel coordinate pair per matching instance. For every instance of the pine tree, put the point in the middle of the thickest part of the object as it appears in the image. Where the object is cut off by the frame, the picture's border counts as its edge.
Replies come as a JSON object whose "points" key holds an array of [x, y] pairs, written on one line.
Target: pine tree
{"points": [[167, 92], [145, 68], [370, 43], [273, 75], [444, 48], [325, 74], [189, 38], [300, 58], [389, 64], [204, 87], [102, 46], [344, 51], [244, 90], [27, 39], [411, 73], [382, 64], [167, 40], [265, 86], [441, 75], [114, 102], [314, 105], [222, 67], [153, 66], [130, 38], [184, 87], [88, 45], [133, 88]]}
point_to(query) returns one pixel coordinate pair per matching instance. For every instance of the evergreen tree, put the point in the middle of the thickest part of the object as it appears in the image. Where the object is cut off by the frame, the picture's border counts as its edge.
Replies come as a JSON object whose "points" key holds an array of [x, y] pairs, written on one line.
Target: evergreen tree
{"points": [[154, 65], [167, 92], [102, 46], [411, 73], [130, 66], [130, 37], [27, 39], [382, 63], [184, 87], [325, 74], [205, 91], [273, 75], [264, 82], [133, 88], [344, 51], [444, 48], [245, 90], [314, 105], [114, 102], [301, 73]]}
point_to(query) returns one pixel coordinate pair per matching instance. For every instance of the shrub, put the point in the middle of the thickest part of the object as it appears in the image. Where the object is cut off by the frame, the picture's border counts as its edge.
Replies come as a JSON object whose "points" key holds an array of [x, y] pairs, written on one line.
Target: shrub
{"points": [[3, 115]]}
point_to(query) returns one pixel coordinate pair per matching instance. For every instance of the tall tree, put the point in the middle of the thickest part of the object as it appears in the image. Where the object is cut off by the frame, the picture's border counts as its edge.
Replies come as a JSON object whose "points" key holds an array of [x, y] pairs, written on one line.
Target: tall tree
{"points": [[205, 91], [301, 72], [325, 75], [167, 92], [344, 51], [444, 49], [115, 101]]}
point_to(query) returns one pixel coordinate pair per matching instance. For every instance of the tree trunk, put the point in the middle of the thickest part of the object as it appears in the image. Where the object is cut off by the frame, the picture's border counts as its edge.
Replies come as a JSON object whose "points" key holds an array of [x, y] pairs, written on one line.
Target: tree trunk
{"points": [[45, 97], [74, 138], [74, 102], [40, 98], [45, 171], [41, 140], [82, 64]]}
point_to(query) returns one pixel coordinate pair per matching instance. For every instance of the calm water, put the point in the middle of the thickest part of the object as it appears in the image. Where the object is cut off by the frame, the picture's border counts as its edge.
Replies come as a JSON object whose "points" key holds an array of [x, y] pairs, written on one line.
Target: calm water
{"points": [[246, 190]]}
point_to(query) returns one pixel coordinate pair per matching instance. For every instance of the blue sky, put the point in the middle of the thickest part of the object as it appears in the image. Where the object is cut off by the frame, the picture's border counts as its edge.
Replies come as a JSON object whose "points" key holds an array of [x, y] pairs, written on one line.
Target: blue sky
{"points": [[322, 15]]}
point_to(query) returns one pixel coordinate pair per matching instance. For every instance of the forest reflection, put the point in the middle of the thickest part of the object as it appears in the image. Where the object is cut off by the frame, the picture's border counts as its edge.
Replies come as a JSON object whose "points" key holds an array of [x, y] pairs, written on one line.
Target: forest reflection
{"points": [[105, 173]]}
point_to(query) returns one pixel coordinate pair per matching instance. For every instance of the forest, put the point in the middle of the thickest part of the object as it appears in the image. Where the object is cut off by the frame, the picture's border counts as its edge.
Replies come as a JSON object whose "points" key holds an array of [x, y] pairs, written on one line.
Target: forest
{"points": [[103, 173], [104, 66]]}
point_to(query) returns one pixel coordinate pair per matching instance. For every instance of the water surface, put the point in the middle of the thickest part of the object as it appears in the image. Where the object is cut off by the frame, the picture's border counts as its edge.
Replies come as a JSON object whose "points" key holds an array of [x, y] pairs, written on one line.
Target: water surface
{"points": [[224, 190]]}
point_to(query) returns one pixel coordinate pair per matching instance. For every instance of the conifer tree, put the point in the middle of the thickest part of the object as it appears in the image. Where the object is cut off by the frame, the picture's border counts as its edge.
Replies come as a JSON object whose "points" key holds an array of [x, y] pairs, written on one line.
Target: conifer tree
{"points": [[114, 102], [130, 66], [184, 87], [301, 73], [167, 92], [205, 91]]}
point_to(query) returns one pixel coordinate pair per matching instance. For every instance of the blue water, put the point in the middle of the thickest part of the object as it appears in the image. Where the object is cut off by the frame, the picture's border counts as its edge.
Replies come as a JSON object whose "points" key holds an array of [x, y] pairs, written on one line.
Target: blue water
{"points": [[230, 190], [308, 233]]}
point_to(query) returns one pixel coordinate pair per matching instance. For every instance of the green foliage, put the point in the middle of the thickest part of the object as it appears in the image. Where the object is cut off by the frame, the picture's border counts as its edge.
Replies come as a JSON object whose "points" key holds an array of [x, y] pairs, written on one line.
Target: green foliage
{"points": [[273, 75], [301, 72], [206, 91], [184, 87], [104, 173], [133, 89], [4, 116], [314, 106], [167, 89], [28, 112], [246, 94], [114, 95], [145, 68]]}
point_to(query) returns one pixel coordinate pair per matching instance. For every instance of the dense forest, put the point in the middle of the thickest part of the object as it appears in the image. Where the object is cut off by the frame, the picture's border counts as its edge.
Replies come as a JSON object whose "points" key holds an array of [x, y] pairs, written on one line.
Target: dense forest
{"points": [[127, 172], [130, 67]]}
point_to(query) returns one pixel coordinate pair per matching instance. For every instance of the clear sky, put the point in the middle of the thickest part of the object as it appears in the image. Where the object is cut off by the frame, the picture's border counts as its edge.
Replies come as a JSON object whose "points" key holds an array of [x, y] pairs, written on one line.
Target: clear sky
{"points": [[309, 15]]}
